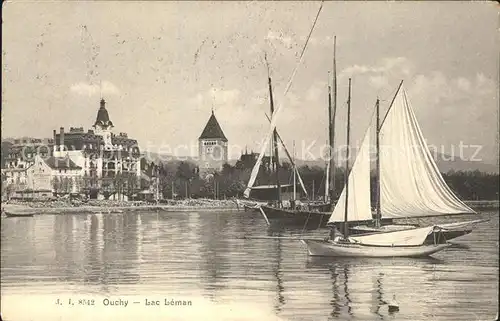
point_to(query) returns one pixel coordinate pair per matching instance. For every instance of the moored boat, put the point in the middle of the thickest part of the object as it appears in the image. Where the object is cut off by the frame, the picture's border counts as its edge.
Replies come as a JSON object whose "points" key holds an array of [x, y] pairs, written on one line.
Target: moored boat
{"points": [[310, 214], [294, 218], [354, 205], [352, 248], [403, 157], [449, 230], [19, 213]]}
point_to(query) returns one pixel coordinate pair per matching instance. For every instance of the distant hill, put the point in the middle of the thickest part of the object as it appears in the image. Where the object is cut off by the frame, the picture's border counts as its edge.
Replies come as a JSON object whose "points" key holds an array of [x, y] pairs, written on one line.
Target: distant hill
{"points": [[444, 162]]}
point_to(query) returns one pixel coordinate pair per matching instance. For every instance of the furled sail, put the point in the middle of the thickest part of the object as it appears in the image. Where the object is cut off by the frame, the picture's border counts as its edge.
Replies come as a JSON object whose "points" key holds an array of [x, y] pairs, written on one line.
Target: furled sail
{"points": [[412, 237], [410, 182], [256, 167], [300, 181], [359, 208]]}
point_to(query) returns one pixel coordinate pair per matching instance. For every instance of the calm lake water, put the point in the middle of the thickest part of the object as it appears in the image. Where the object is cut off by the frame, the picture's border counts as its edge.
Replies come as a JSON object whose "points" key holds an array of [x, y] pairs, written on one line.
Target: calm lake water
{"points": [[201, 259]]}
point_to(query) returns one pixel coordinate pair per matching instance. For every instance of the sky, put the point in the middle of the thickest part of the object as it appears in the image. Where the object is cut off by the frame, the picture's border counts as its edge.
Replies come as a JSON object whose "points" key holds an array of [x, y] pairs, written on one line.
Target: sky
{"points": [[163, 66]]}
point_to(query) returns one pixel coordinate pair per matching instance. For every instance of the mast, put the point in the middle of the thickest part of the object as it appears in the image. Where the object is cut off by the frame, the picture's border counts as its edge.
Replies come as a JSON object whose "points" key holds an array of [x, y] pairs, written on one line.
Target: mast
{"points": [[275, 137], [332, 123], [328, 185], [157, 184], [291, 159], [327, 179], [377, 200], [346, 176], [256, 167], [392, 102], [294, 175]]}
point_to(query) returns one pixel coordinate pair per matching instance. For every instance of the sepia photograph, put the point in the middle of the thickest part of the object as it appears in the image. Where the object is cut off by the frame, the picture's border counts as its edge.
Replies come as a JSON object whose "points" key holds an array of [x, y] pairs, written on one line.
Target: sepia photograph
{"points": [[250, 160]]}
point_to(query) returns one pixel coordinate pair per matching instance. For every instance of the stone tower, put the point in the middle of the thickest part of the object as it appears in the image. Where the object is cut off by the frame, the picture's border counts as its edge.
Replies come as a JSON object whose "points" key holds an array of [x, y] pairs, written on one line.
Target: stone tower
{"points": [[212, 150]]}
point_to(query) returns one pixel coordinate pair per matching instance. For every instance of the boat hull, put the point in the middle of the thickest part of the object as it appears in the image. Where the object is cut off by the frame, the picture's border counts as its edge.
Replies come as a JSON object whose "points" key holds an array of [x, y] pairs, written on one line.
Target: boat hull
{"points": [[9, 214], [250, 208], [336, 249], [447, 233], [321, 207], [285, 217]]}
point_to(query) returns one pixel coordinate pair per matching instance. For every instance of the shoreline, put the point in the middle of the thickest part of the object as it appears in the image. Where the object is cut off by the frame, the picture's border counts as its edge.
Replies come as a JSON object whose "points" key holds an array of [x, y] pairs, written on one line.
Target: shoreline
{"points": [[180, 206], [491, 204]]}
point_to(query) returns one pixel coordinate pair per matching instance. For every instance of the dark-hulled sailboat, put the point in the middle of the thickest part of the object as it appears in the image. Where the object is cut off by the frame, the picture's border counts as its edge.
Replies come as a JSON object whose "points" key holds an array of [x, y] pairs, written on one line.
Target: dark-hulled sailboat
{"points": [[310, 214]]}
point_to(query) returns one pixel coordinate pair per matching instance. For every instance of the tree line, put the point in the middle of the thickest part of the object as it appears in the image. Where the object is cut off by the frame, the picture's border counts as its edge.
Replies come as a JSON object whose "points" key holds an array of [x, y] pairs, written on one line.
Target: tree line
{"points": [[182, 179]]}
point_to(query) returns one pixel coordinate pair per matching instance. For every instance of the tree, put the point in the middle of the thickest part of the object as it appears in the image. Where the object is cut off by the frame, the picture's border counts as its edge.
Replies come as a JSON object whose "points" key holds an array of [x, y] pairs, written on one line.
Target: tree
{"points": [[185, 171], [66, 185], [56, 185]]}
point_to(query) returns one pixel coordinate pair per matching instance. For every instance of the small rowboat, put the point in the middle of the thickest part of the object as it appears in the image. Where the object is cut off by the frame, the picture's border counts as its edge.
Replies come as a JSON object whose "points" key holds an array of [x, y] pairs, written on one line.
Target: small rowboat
{"points": [[19, 213]]}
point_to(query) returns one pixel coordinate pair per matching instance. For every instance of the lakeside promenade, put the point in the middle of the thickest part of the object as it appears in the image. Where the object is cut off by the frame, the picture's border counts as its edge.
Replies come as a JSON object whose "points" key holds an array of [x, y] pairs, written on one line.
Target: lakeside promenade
{"points": [[105, 207], [188, 205]]}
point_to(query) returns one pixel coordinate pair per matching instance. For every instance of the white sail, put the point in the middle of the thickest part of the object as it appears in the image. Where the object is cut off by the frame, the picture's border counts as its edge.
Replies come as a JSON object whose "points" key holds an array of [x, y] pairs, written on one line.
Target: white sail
{"points": [[413, 237], [300, 181], [410, 182], [256, 167], [359, 208]]}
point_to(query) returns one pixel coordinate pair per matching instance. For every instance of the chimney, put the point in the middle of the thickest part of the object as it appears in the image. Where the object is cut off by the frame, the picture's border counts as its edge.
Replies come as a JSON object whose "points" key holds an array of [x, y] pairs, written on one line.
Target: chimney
{"points": [[55, 143], [61, 138]]}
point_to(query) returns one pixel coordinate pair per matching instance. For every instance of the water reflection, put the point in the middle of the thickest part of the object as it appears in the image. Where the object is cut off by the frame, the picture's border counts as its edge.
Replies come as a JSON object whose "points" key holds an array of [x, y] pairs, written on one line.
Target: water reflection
{"points": [[205, 255], [213, 253], [357, 285], [377, 299], [335, 302], [278, 273]]}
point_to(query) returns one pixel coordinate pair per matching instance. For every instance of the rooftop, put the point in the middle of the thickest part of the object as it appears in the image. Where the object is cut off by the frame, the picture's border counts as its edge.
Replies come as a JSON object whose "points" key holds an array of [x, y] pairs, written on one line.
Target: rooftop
{"points": [[213, 130], [103, 116], [61, 163]]}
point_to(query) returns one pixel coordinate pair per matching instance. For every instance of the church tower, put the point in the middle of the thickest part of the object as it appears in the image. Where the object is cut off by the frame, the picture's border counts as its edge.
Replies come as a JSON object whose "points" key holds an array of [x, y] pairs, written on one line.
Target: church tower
{"points": [[103, 125], [212, 147]]}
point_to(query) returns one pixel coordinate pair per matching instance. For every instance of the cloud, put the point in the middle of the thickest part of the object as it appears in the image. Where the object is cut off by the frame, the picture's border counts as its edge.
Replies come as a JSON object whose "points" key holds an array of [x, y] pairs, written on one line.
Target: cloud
{"points": [[436, 89], [315, 91], [463, 84], [389, 66], [450, 109], [84, 89], [217, 97], [259, 97], [281, 38], [379, 81]]}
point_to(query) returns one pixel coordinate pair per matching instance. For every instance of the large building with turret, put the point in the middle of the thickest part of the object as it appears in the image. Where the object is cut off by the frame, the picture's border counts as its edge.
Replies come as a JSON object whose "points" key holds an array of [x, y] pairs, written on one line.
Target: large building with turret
{"points": [[212, 148], [97, 161], [99, 151]]}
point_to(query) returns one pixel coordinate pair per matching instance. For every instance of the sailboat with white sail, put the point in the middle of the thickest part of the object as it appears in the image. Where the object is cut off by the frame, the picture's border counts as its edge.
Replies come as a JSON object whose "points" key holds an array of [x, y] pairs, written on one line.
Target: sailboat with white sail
{"points": [[354, 205], [409, 184]]}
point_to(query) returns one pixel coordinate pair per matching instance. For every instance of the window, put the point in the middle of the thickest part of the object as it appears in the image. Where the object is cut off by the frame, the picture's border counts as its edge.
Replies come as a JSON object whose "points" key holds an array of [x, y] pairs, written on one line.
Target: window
{"points": [[209, 143]]}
